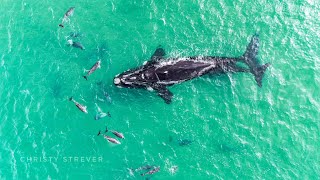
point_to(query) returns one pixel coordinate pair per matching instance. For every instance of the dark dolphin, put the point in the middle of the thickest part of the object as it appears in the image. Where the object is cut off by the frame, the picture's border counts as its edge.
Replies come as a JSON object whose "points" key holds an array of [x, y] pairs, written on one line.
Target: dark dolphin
{"points": [[184, 142], [76, 44], [67, 15], [159, 73]]}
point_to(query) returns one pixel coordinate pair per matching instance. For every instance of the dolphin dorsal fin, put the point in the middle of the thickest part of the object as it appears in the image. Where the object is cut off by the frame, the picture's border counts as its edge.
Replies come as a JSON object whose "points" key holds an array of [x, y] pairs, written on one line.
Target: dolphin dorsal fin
{"points": [[158, 54]]}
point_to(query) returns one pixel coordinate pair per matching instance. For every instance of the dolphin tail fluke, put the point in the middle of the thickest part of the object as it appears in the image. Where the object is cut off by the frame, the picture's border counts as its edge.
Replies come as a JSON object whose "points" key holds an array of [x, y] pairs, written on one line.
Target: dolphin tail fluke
{"points": [[106, 129], [61, 25], [71, 98], [85, 77], [99, 132], [250, 58]]}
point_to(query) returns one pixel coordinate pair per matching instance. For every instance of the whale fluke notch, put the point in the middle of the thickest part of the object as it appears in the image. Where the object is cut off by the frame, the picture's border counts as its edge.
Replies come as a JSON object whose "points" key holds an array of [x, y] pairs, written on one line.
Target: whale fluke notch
{"points": [[163, 92]]}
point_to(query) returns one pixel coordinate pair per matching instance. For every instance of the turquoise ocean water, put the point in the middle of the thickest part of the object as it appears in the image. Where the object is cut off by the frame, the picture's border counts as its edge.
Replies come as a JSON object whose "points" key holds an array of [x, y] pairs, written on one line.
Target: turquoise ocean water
{"points": [[237, 130]]}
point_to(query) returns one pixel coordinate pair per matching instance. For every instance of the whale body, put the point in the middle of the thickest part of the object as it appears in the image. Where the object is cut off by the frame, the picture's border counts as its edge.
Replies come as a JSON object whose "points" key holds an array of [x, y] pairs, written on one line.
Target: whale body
{"points": [[158, 73]]}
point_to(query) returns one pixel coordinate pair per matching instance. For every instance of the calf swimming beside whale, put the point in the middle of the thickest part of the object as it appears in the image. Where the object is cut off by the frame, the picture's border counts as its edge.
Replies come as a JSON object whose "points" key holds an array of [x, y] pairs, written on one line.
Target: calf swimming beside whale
{"points": [[159, 72]]}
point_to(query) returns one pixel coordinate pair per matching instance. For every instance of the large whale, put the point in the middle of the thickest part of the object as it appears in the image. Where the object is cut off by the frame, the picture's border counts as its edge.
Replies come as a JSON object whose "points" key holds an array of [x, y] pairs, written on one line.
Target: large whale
{"points": [[158, 73]]}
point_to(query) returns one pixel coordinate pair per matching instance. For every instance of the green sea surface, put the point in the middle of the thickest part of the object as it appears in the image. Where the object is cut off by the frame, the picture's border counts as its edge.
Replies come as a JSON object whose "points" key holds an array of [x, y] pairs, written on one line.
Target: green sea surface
{"points": [[236, 129]]}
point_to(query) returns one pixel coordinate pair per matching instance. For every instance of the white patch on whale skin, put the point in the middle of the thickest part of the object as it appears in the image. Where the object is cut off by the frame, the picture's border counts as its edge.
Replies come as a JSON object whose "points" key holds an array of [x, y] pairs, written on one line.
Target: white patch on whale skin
{"points": [[125, 82], [116, 81], [133, 78], [175, 61], [149, 88], [70, 41], [170, 82], [144, 63]]}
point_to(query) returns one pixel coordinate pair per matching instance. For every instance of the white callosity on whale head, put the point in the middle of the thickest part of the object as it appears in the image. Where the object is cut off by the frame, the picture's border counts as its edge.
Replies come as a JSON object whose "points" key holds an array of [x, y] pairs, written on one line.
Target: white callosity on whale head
{"points": [[116, 81], [123, 80], [199, 59]]}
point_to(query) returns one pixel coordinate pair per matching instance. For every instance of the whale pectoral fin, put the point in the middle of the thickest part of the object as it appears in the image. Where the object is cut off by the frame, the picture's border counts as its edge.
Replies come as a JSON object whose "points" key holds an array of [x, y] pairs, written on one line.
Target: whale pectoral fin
{"points": [[163, 92], [158, 54]]}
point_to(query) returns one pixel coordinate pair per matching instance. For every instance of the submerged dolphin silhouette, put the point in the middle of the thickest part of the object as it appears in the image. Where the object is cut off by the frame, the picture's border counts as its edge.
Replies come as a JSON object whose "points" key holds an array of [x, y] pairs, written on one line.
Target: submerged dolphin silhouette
{"points": [[159, 72]]}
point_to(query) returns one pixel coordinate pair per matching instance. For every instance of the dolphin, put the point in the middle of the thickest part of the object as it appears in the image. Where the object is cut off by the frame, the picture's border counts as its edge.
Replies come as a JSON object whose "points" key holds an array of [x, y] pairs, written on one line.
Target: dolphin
{"points": [[76, 44], [107, 96], [81, 107], [67, 15], [99, 114], [110, 139], [158, 73], [75, 35], [184, 142], [93, 68], [142, 168], [151, 171], [146, 167], [116, 133]]}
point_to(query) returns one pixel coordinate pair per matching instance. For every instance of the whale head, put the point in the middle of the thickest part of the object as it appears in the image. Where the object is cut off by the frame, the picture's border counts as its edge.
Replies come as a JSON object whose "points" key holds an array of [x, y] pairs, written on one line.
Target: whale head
{"points": [[129, 79]]}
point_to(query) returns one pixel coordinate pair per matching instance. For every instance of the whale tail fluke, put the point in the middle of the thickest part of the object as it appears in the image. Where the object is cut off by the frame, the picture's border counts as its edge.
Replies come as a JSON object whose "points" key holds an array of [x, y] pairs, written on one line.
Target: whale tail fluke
{"points": [[259, 72], [250, 58]]}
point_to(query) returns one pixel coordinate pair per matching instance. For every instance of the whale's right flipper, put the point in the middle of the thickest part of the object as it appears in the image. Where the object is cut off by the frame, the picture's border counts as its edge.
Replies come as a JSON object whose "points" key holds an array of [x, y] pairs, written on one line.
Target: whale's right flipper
{"points": [[163, 92]]}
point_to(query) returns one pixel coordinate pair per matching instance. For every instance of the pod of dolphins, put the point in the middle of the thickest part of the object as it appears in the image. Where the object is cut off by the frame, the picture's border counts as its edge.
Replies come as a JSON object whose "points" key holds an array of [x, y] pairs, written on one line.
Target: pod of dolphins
{"points": [[158, 73]]}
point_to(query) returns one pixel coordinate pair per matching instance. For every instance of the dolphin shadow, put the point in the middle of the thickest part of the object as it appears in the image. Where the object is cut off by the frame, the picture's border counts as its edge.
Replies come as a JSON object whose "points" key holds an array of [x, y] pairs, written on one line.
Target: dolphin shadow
{"points": [[181, 142], [57, 89]]}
